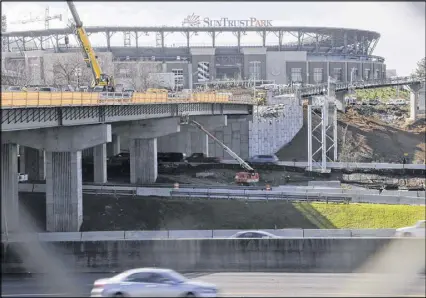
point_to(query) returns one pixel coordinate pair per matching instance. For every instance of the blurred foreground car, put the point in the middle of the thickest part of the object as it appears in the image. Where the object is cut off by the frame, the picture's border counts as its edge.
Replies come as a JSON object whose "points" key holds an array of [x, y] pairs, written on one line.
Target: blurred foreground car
{"points": [[418, 230], [151, 282], [253, 234]]}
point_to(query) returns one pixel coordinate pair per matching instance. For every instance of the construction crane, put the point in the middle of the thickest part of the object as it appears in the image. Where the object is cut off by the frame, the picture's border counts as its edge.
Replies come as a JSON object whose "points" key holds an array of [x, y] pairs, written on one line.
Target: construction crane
{"points": [[46, 19], [101, 81], [246, 178]]}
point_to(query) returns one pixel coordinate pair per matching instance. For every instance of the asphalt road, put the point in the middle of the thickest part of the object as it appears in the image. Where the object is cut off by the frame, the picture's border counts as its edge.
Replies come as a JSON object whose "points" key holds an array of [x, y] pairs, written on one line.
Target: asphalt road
{"points": [[242, 285]]}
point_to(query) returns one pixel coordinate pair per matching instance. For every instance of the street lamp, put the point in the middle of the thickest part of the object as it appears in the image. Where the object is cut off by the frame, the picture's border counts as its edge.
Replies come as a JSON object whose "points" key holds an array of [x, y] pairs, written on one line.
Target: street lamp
{"points": [[78, 73]]}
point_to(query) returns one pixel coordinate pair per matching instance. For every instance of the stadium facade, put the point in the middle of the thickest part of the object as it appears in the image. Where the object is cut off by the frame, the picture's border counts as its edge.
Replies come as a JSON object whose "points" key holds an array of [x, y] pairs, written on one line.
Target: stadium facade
{"points": [[314, 54]]}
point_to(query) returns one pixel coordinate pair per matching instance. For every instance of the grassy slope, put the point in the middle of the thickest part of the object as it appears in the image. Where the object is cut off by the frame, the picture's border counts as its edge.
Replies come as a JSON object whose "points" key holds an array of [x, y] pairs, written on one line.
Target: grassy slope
{"points": [[154, 214], [365, 216], [102, 213]]}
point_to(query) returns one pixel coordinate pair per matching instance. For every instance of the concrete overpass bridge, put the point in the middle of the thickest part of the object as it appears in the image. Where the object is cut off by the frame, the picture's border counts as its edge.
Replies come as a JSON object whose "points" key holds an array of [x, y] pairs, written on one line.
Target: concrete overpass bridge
{"points": [[54, 129], [340, 89]]}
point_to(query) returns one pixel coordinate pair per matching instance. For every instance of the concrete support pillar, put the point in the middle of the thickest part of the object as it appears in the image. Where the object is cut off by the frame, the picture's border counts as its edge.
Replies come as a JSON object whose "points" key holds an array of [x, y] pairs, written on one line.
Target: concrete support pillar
{"points": [[414, 101], [64, 198], [9, 188], [340, 101], [143, 160], [114, 147], [35, 165], [100, 164]]}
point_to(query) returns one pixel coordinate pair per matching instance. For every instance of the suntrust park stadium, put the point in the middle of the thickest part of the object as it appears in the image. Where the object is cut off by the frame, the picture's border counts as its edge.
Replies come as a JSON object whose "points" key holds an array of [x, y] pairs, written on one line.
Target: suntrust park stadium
{"points": [[282, 55]]}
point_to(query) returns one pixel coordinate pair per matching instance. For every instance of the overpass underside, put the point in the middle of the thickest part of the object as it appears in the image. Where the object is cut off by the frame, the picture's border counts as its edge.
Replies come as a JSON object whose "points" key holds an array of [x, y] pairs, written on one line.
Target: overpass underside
{"points": [[55, 155]]}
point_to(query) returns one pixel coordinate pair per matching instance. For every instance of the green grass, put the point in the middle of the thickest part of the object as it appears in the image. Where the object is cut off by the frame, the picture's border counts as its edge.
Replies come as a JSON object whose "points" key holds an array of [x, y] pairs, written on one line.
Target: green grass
{"points": [[182, 214], [370, 216], [383, 94]]}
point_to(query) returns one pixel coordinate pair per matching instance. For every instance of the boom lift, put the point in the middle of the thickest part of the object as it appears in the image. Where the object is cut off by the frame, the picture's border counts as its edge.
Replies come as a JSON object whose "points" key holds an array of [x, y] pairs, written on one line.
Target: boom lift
{"points": [[100, 79], [250, 176]]}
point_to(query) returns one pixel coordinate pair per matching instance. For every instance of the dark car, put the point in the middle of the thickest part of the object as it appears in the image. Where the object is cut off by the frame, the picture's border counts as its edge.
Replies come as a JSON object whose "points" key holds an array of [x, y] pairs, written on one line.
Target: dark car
{"points": [[202, 158], [171, 157], [263, 159]]}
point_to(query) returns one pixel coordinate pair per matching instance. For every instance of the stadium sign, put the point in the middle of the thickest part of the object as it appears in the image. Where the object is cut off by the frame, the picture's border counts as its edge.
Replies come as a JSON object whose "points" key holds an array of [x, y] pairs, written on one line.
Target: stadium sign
{"points": [[195, 21]]}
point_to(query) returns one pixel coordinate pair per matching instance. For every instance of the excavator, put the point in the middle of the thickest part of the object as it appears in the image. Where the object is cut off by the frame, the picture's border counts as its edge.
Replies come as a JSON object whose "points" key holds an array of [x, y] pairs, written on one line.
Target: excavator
{"points": [[248, 177], [101, 82]]}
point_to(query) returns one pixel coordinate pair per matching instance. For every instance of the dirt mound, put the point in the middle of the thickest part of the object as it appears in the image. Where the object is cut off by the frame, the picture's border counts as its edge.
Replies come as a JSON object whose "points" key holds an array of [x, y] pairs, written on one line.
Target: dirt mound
{"points": [[364, 137]]}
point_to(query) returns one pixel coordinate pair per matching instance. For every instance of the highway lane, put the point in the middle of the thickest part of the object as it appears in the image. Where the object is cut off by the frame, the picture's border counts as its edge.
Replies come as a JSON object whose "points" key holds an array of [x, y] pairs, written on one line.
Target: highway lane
{"points": [[235, 285]]}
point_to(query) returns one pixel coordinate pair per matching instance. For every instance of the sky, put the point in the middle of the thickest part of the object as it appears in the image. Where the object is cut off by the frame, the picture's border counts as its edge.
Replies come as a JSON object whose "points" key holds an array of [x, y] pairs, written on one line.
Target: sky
{"points": [[401, 24]]}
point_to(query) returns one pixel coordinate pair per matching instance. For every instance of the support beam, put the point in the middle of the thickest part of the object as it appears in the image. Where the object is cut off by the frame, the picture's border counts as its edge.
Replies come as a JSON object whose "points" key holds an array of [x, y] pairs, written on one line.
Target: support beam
{"points": [[100, 164], [143, 161], [147, 129], [64, 197], [9, 188], [61, 139]]}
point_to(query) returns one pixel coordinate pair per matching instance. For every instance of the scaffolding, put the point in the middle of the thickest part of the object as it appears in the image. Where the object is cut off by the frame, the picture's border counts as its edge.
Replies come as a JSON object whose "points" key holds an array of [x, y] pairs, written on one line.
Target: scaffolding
{"points": [[322, 138]]}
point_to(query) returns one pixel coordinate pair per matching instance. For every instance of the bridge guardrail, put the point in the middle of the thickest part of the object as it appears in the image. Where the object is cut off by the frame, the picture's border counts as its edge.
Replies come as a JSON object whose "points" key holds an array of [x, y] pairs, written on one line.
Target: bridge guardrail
{"points": [[58, 99], [317, 89], [193, 234]]}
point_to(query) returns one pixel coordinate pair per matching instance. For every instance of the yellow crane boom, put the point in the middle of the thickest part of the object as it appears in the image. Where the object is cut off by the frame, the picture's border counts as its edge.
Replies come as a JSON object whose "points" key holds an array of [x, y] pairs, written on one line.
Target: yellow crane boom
{"points": [[100, 79]]}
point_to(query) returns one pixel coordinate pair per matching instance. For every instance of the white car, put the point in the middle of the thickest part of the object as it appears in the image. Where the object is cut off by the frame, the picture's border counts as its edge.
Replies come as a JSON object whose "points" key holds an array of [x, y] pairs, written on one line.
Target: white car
{"points": [[418, 230], [253, 234], [151, 282]]}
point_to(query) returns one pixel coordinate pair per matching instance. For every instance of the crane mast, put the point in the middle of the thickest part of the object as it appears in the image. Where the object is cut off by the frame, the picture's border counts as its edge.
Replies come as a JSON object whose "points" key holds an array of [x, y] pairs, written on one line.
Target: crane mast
{"points": [[100, 79]]}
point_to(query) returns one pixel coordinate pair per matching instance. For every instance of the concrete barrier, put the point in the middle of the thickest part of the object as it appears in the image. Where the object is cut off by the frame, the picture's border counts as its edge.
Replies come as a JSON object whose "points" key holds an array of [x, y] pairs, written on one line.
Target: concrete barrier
{"points": [[321, 233], [372, 232], [60, 236], [179, 234], [102, 236], [334, 255], [193, 234], [145, 235]]}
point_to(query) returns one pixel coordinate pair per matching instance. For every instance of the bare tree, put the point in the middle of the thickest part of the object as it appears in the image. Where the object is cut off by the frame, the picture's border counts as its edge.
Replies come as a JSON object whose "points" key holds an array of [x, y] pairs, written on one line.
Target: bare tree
{"points": [[65, 69], [17, 75], [420, 71], [144, 69], [137, 75]]}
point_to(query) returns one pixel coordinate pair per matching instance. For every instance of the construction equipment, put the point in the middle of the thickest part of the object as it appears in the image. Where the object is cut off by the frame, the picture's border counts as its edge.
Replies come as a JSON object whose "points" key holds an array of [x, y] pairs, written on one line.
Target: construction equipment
{"points": [[100, 79], [47, 18], [250, 176]]}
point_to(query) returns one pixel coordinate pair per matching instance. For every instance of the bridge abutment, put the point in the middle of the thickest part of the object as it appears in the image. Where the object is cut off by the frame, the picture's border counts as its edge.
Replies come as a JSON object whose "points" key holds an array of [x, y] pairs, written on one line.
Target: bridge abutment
{"points": [[9, 188]]}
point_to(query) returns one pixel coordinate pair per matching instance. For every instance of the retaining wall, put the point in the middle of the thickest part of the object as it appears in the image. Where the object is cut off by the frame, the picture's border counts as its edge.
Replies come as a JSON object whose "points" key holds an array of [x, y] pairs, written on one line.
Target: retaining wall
{"points": [[267, 135], [205, 255]]}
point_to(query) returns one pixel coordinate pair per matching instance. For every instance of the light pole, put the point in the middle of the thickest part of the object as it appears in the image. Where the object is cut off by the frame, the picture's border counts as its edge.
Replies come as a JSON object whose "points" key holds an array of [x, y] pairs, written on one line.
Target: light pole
{"points": [[78, 73]]}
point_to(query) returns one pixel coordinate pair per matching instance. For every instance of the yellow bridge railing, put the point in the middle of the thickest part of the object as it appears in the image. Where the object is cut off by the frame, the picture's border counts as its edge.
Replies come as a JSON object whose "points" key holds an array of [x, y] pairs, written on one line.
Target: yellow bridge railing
{"points": [[58, 99]]}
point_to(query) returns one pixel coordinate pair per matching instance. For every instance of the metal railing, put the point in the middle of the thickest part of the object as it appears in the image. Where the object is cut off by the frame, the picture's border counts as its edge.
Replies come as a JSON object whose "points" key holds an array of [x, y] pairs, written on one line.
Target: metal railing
{"points": [[57, 99], [321, 88]]}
